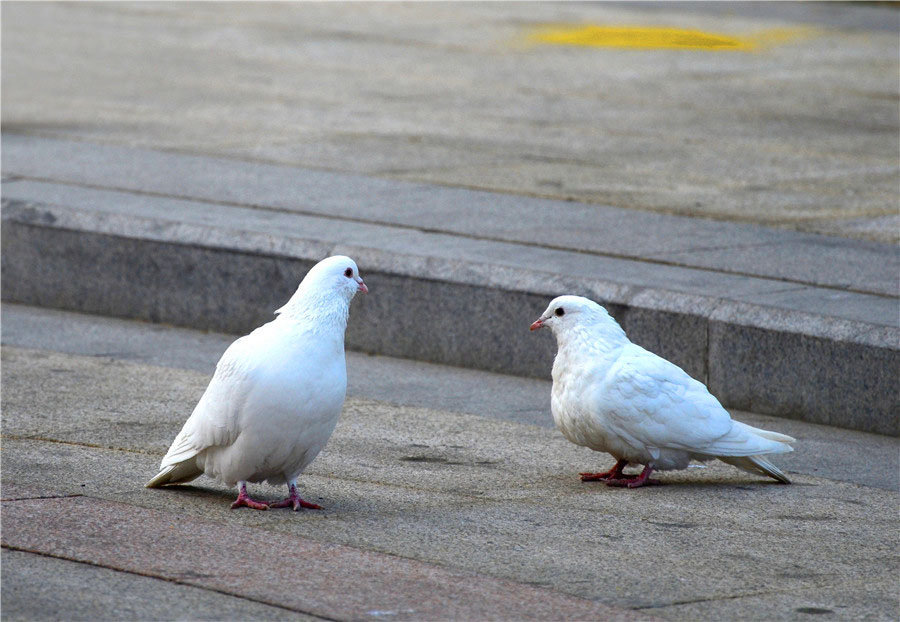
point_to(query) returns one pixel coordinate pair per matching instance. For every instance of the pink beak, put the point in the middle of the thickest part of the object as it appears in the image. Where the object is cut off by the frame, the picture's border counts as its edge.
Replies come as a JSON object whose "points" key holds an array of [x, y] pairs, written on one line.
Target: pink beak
{"points": [[536, 325], [362, 287]]}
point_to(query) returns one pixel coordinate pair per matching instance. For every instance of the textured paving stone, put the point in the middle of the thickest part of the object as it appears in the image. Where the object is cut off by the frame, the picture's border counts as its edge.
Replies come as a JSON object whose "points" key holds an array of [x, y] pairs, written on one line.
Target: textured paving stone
{"points": [[468, 494], [322, 580]]}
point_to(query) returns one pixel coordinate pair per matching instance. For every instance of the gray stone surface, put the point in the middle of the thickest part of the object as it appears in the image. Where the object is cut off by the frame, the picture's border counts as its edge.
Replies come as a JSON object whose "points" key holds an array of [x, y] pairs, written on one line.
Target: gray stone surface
{"points": [[864, 16], [443, 494], [321, 580], [185, 185], [797, 374], [38, 587], [249, 230], [800, 133]]}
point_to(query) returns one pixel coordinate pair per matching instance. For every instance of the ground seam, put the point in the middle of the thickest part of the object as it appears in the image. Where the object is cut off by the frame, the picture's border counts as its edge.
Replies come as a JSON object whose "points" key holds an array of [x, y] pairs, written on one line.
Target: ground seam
{"points": [[161, 578]]}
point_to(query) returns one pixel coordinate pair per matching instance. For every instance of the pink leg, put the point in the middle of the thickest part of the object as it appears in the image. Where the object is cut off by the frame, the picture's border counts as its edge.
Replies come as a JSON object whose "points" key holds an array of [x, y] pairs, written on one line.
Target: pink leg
{"points": [[613, 473], [294, 501], [634, 482], [244, 500]]}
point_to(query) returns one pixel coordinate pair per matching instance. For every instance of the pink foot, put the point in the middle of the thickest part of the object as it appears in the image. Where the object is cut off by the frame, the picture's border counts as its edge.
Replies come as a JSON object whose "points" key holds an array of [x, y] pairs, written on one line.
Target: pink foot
{"points": [[244, 500], [613, 473], [295, 502], [635, 482]]}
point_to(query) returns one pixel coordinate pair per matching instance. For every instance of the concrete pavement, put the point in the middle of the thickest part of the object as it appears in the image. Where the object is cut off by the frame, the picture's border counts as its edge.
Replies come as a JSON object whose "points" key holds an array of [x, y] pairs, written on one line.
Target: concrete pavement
{"points": [[39, 587], [450, 514]]}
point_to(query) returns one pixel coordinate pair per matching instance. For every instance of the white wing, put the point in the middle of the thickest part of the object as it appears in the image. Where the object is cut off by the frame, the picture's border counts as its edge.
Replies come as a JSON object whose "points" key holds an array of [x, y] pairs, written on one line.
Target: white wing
{"points": [[655, 404], [216, 418]]}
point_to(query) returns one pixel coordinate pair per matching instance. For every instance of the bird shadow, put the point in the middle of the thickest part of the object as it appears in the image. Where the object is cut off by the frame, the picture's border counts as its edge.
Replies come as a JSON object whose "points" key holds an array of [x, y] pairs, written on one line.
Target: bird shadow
{"points": [[199, 492], [748, 484], [702, 484]]}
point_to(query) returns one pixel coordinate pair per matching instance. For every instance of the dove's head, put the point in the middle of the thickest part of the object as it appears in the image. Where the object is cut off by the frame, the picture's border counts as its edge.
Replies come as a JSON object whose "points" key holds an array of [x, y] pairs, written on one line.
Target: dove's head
{"points": [[336, 274], [567, 315], [328, 287]]}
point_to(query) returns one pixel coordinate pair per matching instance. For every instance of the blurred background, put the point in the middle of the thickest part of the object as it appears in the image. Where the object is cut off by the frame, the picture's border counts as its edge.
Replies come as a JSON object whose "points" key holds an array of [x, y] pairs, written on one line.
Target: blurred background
{"points": [[792, 122]]}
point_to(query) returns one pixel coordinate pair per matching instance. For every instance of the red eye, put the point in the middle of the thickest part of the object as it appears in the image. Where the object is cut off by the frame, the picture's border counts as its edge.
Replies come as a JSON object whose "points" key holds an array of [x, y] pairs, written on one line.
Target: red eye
{"points": [[348, 272]]}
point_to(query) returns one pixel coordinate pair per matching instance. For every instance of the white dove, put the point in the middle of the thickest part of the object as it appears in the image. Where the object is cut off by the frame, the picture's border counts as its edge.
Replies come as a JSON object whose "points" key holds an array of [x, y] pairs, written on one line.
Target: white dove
{"points": [[612, 395], [276, 395]]}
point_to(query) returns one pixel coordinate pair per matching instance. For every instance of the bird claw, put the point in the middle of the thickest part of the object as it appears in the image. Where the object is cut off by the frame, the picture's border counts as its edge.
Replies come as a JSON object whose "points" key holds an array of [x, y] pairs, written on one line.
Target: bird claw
{"points": [[634, 482], [613, 473], [244, 501], [595, 477], [295, 503]]}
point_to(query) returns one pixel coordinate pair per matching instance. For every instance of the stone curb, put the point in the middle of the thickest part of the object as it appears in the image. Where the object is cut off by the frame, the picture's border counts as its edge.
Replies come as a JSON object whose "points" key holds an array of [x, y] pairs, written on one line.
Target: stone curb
{"points": [[427, 306]]}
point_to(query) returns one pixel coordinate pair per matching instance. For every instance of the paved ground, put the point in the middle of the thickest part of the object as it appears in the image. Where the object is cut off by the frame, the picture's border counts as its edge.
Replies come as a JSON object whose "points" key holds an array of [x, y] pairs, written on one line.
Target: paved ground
{"points": [[799, 133], [431, 510]]}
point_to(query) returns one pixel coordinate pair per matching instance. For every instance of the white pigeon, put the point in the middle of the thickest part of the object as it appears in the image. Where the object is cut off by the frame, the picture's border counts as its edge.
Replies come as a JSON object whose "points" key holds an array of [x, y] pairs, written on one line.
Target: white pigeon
{"points": [[276, 395], [612, 395]]}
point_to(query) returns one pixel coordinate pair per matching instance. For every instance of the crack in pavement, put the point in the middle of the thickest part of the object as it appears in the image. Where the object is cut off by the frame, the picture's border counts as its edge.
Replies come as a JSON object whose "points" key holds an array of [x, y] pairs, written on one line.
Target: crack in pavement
{"points": [[824, 588], [44, 439], [29, 498]]}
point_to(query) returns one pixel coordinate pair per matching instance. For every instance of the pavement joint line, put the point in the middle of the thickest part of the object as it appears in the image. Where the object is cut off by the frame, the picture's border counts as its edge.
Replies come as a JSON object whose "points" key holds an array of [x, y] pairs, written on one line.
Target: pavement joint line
{"points": [[652, 260], [586, 199], [156, 576], [723, 247], [738, 596], [37, 497], [325, 476], [405, 487], [713, 599], [44, 439]]}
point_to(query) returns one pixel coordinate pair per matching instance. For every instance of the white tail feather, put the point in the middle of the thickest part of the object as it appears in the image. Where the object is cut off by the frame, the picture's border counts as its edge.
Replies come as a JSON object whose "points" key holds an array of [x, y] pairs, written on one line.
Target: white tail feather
{"points": [[758, 465], [745, 440], [768, 434], [179, 473]]}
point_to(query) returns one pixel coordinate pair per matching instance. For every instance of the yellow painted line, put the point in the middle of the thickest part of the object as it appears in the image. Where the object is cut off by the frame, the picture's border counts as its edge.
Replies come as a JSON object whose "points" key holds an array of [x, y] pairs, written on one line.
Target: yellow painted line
{"points": [[658, 37]]}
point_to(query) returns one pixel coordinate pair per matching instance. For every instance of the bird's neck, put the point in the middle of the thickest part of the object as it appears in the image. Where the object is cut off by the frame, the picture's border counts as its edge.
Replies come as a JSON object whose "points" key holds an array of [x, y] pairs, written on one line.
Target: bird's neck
{"points": [[317, 312], [592, 340]]}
